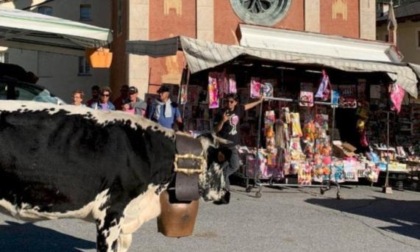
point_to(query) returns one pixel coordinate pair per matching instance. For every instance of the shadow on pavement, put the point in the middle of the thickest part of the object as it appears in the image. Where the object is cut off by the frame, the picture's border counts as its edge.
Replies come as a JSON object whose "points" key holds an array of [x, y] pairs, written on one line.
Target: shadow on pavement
{"points": [[402, 217], [27, 237]]}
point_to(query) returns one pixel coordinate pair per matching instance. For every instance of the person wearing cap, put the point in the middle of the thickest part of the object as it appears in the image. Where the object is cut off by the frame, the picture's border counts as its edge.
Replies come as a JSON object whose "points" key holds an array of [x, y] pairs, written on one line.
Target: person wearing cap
{"points": [[134, 105], [164, 111], [123, 98]]}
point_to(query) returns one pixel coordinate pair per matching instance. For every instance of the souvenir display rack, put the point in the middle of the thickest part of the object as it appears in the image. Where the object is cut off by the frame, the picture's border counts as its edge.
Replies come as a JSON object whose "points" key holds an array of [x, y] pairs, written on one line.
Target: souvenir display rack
{"points": [[343, 166], [372, 87], [257, 169]]}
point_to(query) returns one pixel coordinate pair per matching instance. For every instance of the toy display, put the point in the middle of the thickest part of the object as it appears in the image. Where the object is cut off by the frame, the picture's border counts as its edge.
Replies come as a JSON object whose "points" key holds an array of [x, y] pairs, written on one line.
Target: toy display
{"points": [[298, 141]]}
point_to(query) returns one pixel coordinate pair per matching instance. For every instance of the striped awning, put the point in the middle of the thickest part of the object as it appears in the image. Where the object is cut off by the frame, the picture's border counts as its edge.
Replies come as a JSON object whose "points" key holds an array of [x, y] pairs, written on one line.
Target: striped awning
{"points": [[201, 55]]}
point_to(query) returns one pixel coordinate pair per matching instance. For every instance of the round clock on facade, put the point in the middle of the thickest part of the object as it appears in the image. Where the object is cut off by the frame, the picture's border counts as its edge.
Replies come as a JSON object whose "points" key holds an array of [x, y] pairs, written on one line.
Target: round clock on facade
{"points": [[260, 12]]}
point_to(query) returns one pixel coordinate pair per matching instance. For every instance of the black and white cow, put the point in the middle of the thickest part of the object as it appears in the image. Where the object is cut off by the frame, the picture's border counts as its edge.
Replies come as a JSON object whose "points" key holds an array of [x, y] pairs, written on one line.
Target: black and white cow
{"points": [[107, 167]]}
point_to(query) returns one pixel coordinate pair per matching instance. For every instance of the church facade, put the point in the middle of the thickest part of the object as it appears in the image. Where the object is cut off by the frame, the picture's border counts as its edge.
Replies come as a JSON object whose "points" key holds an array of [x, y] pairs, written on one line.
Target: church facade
{"points": [[218, 21]]}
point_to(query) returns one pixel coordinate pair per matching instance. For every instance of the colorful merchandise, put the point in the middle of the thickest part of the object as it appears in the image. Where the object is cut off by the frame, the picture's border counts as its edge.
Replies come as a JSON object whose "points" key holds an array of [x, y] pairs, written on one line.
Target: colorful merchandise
{"points": [[397, 96], [232, 84], [335, 97], [213, 91], [296, 152], [351, 170], [371, 172], [337, 172], [262, 166], [295, 120], [223, 84], [309, 131], [184, 94], [306, 97], [321, 174], [305, 174], [269, 121], [362, 112], [256, 88], [267, 90], [324, 89], [348, 95]]}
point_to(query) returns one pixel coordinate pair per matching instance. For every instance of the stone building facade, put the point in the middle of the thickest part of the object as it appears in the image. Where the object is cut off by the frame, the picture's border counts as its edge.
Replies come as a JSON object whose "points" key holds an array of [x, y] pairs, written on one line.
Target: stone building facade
{"points": [[218, 21]]}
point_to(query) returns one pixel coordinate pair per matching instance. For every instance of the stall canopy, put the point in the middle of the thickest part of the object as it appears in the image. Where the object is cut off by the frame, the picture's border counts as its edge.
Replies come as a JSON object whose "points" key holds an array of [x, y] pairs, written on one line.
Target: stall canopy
{"points": [[34, 31], [201, 55]]}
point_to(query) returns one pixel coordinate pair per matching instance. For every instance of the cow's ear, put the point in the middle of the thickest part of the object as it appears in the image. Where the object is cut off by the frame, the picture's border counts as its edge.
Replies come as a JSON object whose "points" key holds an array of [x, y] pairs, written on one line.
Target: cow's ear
{"points": [[220, 141]]}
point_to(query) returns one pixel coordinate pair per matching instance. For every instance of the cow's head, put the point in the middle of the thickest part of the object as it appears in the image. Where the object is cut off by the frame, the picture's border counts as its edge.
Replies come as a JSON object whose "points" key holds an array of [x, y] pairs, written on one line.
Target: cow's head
{"points": [[212, 184]]}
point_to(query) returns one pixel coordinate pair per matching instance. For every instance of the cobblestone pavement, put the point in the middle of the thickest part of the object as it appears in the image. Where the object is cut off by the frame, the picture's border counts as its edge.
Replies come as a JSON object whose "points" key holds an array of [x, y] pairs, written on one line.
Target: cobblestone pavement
{"points": [[283, 219]]}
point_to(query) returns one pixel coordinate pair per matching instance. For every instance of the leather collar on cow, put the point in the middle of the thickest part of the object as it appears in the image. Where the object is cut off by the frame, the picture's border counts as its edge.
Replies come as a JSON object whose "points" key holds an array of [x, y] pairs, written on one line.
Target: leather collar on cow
{"points": [[189, 163], [190, 157]]}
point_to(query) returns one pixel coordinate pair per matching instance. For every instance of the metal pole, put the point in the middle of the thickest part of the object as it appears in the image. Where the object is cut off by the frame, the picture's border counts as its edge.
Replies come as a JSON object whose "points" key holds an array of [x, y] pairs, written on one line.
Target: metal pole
{"points": [[259, 128], [188, 73], [386, 188], [278, 99], [332, 135]]}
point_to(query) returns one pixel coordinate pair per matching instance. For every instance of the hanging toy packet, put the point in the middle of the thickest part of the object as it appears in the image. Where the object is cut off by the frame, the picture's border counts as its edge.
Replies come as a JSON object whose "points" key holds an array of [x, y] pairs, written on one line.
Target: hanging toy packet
{"points": [[213, 91], [256, 88], [397, 97], [306, 96], [267, 89], [232, 84], [324, 89]]}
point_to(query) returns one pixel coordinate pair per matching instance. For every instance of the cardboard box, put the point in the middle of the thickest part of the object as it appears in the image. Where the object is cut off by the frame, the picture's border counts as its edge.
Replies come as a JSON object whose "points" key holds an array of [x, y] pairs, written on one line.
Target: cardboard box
{"points": [[343, 149]]}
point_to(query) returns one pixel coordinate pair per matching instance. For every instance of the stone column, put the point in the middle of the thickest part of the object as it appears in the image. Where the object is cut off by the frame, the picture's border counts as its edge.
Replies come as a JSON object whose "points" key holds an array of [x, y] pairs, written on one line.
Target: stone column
{"points": [[138, 66], [205, 20], [367, 19], [312, 16]]}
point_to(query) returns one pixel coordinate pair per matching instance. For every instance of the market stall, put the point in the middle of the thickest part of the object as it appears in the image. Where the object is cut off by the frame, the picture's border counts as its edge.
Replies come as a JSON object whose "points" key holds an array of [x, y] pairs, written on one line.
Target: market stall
{"points": [[317, 145]]}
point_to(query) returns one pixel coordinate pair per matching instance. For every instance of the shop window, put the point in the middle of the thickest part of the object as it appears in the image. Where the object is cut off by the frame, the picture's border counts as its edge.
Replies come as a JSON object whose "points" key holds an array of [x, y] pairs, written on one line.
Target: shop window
{"points": [[46, 10], [84, 67], [85, 12], [261, 12]]}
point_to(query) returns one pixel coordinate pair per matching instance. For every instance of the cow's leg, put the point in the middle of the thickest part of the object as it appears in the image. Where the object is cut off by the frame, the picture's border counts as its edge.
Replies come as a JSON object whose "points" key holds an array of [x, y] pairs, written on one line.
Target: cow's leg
{"points": [[108, 232], [124, 242]]}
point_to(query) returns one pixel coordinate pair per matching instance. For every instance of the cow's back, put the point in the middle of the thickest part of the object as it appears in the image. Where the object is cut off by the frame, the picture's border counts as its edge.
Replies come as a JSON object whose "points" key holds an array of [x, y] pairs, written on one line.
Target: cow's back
{"points": [[60, 159]]}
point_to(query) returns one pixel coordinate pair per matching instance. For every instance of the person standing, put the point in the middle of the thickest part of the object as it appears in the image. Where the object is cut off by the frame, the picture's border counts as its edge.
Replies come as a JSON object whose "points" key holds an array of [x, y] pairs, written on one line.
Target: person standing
{"points": [[226, 125], [104, 103], [164, 111], [134, 105], [122, 99], [78, 98], [95, 95]]}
